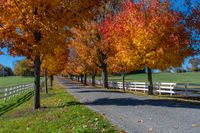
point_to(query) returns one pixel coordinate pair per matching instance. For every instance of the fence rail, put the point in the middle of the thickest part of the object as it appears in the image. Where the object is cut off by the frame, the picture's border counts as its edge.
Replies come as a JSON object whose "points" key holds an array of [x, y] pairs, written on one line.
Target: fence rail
{"points": [[8, 92], [183, 89]]}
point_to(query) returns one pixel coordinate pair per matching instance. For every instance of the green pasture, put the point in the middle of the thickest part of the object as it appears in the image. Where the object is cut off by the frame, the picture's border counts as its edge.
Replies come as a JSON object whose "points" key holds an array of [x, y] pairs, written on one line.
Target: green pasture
{"points": [[187, 77]]}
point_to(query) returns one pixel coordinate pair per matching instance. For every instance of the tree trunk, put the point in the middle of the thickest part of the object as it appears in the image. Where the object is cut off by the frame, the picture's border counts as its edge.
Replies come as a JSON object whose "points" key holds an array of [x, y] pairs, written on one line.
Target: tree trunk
{"points": [[82, 79], [51, 81], [37, 64], [85, 78], [46, 78], [150, 88], [93, 77], [123, 81], [105, 75], [71, 77]]}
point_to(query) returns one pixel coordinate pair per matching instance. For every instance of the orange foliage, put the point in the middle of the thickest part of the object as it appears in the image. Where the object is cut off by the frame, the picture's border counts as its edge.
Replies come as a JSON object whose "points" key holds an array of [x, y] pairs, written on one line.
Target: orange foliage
{"points": [[152, 37], [24, 22]]}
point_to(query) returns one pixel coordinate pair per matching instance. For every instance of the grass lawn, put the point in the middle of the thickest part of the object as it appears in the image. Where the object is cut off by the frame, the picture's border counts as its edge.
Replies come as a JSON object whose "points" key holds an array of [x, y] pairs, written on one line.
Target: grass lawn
{"points": [[60, 112], [188, 77], [14, 80]]}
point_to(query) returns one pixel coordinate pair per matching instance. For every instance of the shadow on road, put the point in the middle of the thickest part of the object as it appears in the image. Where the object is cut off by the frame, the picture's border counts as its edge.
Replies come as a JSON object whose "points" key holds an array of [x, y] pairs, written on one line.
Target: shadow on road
{"points": [[136, 102], [103, 91], [172, 103]]}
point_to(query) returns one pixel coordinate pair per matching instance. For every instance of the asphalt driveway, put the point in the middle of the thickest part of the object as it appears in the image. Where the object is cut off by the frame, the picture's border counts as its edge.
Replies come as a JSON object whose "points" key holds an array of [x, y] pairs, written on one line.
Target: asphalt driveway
{"points": [[136, 114]]}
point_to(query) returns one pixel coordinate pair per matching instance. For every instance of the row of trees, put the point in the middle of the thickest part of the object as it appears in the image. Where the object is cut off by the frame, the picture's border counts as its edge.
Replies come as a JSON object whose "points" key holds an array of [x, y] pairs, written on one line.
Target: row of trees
{"points": [[82, 37], [140, 34], [38, 30]]}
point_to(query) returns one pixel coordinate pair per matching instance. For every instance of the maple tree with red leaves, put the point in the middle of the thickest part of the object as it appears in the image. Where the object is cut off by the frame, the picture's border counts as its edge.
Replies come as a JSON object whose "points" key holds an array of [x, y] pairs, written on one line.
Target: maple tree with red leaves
{"points": [[152, 35]]}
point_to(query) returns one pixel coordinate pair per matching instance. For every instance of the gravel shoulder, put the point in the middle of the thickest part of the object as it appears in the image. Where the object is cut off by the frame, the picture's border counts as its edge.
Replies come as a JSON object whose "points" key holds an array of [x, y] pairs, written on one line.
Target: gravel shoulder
{"points": [[136, 114]]}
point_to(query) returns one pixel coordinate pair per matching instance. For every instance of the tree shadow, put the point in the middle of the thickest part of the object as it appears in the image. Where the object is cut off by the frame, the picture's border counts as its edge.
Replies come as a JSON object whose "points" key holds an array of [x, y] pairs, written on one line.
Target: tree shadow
{"points": [[75, 87], [73, 103], [29, 111], [136, 102], [66, 82], [186, 98], [103, 91], [15, 103]]}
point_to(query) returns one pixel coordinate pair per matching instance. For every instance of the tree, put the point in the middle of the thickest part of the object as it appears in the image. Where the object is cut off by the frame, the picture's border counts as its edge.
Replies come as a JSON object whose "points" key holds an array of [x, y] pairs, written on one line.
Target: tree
{"points": [[5, 71], [26, 27], [96, 52], [152, 33], [192, 22], [54, 63], [195, 63], [24, 68], [91, 51]]}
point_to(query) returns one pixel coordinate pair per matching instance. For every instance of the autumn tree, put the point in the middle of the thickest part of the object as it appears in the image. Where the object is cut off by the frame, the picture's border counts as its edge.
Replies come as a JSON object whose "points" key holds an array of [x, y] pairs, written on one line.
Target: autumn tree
{"points": [[27, 25], [75, 64], [120, 63], [88, 36], [54, 63], [82, 56], [24, 68], [152, 33], [192, 22], [96, 52]]}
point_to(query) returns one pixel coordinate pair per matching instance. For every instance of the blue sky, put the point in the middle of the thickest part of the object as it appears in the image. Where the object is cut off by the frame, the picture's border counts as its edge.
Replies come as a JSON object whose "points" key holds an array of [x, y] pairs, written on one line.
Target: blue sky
{"points": [[8, 60]]}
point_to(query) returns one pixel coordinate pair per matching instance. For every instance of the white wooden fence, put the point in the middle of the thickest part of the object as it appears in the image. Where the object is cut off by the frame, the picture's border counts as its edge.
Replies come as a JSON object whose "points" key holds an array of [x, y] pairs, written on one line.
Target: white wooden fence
{"points": [[9, 92], [184, 89]]}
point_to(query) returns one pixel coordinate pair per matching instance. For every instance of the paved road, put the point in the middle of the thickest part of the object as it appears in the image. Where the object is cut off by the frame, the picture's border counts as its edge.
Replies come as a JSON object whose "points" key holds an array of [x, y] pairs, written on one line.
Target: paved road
{"points": [[136, 114]]}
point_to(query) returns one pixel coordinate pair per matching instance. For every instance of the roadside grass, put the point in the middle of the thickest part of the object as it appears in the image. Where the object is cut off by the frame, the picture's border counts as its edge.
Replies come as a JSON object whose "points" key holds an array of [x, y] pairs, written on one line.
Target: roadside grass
{"points": [[60, 112], [14, 102], [14, 80], [187, 77]]}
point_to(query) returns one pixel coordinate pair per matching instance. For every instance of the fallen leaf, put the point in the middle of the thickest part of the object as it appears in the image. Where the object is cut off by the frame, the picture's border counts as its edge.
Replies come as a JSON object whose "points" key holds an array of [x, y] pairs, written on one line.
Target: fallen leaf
{"points": [[84, 126], [194, 125], [150, 129]]}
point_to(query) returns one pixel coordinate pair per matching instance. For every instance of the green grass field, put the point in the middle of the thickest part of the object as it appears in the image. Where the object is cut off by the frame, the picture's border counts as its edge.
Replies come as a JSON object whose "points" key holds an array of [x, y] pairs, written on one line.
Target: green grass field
{"points": [[14, 80], [188, 77], [60, 113]]}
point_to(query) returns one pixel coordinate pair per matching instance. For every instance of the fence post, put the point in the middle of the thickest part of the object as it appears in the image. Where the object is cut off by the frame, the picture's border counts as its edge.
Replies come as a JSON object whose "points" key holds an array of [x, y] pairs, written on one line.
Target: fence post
{"points": [[5, 94], [10, 92], [135, 86], [18, 90], [126, 86], [170, 91], [186, 89], [159, 84], [22, 88]]}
